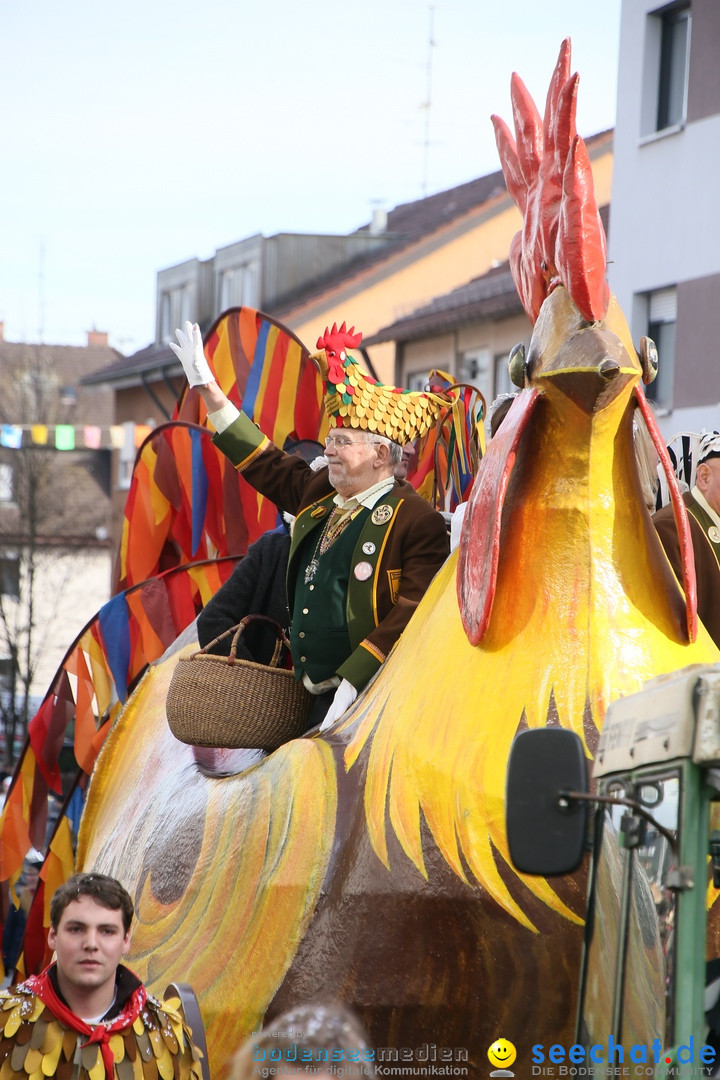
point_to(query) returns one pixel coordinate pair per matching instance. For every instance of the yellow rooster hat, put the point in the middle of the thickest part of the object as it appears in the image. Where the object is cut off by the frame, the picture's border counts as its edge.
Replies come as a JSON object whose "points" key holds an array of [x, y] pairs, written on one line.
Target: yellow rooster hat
{"points": [[354, 399]]}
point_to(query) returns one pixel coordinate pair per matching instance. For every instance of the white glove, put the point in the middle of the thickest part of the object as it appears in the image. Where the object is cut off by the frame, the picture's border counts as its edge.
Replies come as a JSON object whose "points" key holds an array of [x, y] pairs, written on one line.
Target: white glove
{"points": [[191, 355], [344, 697]]}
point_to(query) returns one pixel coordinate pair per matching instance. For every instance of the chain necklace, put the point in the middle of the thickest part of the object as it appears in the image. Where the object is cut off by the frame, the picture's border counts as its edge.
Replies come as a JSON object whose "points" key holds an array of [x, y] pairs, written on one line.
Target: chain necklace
{"points": [[334, 527]]}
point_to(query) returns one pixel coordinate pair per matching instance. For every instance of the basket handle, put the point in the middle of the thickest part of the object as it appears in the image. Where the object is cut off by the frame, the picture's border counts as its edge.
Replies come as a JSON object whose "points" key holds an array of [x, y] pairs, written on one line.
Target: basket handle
{"points": [[237, 630]]}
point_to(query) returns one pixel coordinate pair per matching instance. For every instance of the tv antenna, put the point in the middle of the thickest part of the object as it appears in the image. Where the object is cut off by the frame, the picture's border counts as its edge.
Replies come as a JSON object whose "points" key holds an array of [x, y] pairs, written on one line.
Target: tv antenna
{"points": [[428, 101], [41, 293]]}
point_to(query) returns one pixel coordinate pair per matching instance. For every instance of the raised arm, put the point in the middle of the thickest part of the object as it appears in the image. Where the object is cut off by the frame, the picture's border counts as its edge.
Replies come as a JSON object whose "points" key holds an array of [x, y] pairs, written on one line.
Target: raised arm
{"points": [[191, 355]]}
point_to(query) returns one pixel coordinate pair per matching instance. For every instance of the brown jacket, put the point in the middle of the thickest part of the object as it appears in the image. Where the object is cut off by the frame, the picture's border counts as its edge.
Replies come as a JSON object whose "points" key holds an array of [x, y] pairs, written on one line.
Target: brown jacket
{"points": [[411, 545], [707, 568]]}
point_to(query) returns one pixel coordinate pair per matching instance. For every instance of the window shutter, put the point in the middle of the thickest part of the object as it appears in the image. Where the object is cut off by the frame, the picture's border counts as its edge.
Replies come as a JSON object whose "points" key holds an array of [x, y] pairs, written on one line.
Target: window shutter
{"points": [[663, 306]]}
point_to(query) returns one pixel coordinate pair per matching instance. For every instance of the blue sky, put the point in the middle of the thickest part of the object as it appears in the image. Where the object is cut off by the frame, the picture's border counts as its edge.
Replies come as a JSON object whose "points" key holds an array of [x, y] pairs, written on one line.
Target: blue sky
{"points": [[140, 134]]}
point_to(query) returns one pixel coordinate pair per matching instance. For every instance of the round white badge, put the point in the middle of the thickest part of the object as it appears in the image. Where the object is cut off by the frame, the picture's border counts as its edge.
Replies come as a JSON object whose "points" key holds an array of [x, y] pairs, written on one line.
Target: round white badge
{"points": [[381, 514], [363, 571], [714, 534], [368, 548]]}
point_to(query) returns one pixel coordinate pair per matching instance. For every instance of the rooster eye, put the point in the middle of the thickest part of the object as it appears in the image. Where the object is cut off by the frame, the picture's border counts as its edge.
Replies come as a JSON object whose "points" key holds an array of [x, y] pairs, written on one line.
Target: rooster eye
{"points": [[516, 365]]}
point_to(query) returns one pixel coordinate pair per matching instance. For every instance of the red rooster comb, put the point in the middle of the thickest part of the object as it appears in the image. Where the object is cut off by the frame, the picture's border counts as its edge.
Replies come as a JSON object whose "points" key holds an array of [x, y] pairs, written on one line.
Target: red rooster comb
{"points": [[335, 341], [547, 172]]}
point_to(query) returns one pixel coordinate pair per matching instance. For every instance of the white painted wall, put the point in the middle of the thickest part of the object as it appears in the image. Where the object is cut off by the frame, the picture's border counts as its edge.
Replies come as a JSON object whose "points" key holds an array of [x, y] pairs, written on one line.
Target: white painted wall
{"points": [[665, 221], [70, 587]]}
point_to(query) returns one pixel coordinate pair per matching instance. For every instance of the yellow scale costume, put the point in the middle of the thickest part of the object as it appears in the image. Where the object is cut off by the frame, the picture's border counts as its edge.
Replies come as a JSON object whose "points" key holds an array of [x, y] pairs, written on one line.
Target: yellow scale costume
{"points": [[35, 1044]]}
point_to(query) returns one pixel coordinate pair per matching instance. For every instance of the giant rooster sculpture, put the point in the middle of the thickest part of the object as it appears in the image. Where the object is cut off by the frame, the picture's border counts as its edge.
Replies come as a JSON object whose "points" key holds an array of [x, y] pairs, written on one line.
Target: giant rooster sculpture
{"points": [[370, 864]]}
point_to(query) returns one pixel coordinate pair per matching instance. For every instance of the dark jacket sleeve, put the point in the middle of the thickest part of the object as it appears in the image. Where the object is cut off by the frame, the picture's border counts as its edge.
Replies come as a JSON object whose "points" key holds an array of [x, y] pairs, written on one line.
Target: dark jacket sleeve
{"points": [[255, 587]]}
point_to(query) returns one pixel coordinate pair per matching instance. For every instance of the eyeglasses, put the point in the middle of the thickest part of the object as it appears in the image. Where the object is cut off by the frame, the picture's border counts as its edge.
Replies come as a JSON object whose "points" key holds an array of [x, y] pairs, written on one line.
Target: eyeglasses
{"points": [[342, 441]]}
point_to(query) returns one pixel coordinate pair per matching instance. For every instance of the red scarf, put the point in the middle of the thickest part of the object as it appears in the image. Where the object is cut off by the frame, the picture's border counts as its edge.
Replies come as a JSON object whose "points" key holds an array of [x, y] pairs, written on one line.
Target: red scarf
{"points": [[42, 987]]}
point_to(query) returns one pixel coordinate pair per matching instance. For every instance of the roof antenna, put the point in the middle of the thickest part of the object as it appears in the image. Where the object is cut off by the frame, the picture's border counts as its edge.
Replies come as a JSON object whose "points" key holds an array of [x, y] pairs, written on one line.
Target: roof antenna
{"points": [[428, 102], [41, 293]]}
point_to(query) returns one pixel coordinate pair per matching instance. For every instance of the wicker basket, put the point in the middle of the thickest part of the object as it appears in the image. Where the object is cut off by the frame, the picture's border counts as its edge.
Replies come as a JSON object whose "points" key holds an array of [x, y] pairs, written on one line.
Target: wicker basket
{"points": [[222, 701]]}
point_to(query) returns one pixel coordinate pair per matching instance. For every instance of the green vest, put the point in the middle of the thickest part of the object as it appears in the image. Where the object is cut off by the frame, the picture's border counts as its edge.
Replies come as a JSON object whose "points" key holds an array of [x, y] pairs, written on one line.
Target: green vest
{"points": [[319, 636]]}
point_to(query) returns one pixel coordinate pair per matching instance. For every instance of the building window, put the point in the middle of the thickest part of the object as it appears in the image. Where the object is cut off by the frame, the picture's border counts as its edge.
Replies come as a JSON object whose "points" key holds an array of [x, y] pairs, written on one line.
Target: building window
{"points": [[673, 66], [7, 670], [238, 286], [418, 380], [421, 382], [186, 306], [477, 368], [165, 317], [228, 288], [503, 383], [661, 327], [126, 457], [6, 483], [175, 310], [36, 388], [10, 574]]}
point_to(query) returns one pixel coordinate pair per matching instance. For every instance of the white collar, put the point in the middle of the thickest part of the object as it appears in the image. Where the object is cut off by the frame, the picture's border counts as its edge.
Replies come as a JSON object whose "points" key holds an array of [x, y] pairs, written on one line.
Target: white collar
{"points": [[368, 497], [700, 498]]}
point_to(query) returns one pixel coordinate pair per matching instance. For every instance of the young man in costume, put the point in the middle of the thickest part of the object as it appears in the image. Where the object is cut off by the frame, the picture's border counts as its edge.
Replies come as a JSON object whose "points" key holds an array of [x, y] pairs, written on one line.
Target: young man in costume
{"points": [[365, 547], [703, 505], [87, 1015]]}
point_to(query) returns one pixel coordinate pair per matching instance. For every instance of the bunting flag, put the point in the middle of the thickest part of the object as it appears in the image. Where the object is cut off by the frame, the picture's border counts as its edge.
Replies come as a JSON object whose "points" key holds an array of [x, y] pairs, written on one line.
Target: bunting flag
{"points": [[64, 437], [91, 685], [92, 436], [11, 436], [140, 433]]}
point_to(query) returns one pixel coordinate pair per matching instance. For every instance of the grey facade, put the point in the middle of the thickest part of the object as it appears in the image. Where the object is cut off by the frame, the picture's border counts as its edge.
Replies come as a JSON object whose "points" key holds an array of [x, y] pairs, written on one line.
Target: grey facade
{"points": [[665, 244], [259, 272]]}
